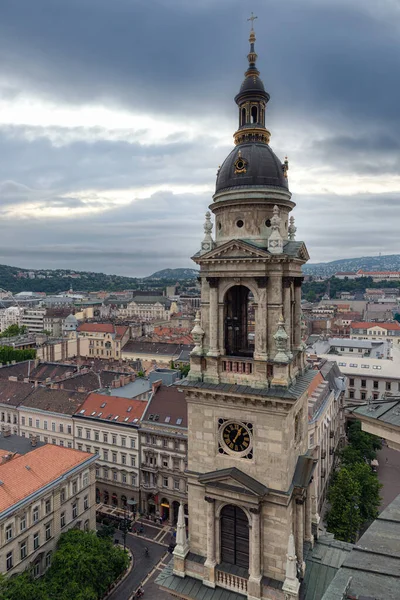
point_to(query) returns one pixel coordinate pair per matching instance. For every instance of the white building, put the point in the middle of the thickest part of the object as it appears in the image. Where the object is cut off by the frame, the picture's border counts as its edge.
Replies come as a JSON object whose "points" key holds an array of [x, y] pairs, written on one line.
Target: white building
{"points": [[10, 316], [33, 319], [376, 331], [147, 308]]}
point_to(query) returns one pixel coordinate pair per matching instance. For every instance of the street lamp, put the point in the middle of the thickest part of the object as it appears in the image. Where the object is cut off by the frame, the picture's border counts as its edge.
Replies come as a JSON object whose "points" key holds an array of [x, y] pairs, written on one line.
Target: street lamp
{"points": [[125, 531]]}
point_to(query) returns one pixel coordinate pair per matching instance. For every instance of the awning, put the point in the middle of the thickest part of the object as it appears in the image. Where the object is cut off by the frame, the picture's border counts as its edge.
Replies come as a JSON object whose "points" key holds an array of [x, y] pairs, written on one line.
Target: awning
{"points": [[165, 505]]}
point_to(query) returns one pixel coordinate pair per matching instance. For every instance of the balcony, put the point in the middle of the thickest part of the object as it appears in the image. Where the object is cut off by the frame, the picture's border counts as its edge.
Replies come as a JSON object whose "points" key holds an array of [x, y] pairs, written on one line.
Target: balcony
{"points": [[231, 582], [237, 365], [148, 467], [148, 486]]}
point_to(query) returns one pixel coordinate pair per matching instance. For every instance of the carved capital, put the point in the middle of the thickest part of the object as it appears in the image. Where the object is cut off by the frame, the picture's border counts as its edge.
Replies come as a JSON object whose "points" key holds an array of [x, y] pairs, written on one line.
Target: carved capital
{"points": [[298, 281], [287, 281], [212, 282], [261, 282], [255, 510], [209, 499]]}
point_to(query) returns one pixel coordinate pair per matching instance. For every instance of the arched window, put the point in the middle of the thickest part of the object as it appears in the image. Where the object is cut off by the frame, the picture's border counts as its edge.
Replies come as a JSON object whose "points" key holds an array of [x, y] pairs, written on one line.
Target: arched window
{"points": [[239, 321], [254, 114], [243, 116], [234, 528]]}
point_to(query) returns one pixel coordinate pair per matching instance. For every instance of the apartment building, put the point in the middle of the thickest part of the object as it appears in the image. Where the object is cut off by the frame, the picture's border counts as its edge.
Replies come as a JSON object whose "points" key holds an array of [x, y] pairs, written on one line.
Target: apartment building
{"points": [[47, 414], [106, 340], [147, 308], [10, 316], [325, 422], [43, 492], [108, 426], [163, 449], [33, 319], [54, 320], [376, 331], [368, 378], [12, 394]]}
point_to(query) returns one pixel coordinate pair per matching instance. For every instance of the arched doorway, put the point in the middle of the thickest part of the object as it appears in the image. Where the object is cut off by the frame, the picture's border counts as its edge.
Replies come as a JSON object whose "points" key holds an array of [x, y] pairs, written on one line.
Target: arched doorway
{"points": [[165, 509], [175, 510], [234, 527], [151, 504], [239, 321]]}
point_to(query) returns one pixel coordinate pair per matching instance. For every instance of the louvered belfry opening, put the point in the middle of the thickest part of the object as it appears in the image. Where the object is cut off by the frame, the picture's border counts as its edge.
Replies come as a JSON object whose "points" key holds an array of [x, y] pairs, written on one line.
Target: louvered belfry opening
{"points": [[238, 317], [234, 527]]}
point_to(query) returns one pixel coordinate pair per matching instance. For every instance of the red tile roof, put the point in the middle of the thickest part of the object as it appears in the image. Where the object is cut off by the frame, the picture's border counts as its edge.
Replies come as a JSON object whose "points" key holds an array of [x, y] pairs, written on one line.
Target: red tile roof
{"points": [[97, 327], [367, 325], [46, 464], [114, 409]]}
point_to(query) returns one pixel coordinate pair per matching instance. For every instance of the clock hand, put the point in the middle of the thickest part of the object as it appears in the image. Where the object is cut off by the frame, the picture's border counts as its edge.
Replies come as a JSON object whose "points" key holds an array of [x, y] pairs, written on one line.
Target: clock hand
{"points": [[237, 435]]}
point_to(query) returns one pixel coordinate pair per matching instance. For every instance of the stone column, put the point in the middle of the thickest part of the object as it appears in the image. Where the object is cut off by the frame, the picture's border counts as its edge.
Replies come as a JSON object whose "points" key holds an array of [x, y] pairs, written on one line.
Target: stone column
{"points": [[209, 565], [300, 533], [315, 518], [213, 316], [287, 292], [274, 292], [308, 536], [254, 583], [297, 311], [260, 349]]}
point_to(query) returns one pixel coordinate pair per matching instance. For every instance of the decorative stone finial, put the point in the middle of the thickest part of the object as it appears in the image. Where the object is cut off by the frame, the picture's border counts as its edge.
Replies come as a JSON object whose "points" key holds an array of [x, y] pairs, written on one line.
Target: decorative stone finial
{"points": [[281, 342], [182, 547], [207, 244], [275, 241], [197, 335], [303, 326], [285, 166], [291, 584], [292, 229]]}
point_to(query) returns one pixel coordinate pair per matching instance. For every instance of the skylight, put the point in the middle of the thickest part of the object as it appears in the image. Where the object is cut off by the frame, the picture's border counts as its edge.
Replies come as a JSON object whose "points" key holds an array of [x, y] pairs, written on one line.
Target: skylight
{"points": [[93, 413], [179, 421], [116, 417], [167, 419], [82, 412], [135, 420], [103, 405], [126, 419]]}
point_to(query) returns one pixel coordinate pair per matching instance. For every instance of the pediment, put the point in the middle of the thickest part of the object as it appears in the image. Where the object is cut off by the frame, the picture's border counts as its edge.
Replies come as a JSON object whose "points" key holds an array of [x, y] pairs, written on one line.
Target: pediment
{"points": [[234, 479], [234, 249]]}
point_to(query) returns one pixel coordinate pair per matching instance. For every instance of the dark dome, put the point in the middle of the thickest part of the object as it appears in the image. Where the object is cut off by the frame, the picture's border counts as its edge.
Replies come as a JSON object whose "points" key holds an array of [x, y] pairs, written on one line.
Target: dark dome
{"points": [[263, 168], [252, 83]]}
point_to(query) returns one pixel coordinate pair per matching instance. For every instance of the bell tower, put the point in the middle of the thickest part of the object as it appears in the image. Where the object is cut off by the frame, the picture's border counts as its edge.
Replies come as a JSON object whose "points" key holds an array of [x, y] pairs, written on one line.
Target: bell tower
{"points": [[249, 471]]}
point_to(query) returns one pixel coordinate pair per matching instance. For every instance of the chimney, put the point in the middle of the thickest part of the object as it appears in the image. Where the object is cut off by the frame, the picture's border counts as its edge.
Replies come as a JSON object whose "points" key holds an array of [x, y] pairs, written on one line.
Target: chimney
{"points": [[33, 441], [7, 432], [156, 385], [5, 458]]}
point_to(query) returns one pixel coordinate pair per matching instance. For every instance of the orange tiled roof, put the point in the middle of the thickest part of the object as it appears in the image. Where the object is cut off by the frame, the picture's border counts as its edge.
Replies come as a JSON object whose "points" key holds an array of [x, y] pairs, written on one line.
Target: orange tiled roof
{"points": [[367, 325], [107, 408], [120, 330], [46, 464], [318, 379], [97, 327]]}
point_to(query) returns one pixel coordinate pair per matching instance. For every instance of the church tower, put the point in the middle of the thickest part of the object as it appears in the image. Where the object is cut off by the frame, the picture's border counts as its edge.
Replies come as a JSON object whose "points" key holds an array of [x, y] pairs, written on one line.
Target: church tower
{"points": [[249, 472]]}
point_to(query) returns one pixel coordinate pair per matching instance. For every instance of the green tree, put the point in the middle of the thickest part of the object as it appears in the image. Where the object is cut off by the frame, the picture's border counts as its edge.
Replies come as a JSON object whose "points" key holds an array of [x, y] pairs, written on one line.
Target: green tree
{"points": [[370, 487], [8, 354], [13, 330], [184, 369], [344, 517], [141, 374], [23, 587], [365, 443]]}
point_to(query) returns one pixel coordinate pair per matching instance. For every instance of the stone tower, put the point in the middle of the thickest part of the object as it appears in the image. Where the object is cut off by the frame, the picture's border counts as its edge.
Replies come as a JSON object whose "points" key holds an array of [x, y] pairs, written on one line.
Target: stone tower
{"points": [[249, 472]]}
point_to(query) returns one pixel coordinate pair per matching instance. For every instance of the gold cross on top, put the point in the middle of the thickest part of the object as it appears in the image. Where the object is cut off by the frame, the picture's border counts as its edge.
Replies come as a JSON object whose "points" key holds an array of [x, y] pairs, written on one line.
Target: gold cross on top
{"points": [[252, 19]]}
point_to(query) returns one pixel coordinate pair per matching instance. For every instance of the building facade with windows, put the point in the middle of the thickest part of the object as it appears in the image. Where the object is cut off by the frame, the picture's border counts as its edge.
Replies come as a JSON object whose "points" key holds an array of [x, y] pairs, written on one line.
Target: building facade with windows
{"points": [[106, 340], [33, 319], [43, 493], [163, 454], [147, 308], [108, 426], [376, 331], [47, 414]]}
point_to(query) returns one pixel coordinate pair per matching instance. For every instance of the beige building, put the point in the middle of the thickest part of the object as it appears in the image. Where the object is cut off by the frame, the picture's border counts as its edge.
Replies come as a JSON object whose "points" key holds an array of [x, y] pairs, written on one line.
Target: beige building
{"points": [[44, 492], [64, 349], [47, 414], [163, 454], [106, 340], [108, 426], [147, 308], [376, 331], [33, 319], [10, 316]]}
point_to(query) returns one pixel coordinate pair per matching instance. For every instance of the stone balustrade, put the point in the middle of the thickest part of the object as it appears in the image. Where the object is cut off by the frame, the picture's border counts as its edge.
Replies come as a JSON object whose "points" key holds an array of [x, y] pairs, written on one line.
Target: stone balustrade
{"points": [[231, 582]]}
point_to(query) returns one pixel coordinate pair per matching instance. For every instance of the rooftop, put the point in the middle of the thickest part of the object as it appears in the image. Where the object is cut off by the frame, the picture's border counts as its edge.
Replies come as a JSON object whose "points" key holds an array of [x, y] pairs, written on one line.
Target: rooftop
{"points": [[167, 407], [368, 367], [12, 393], [368, 325], [117, 330], [386, 411], [145, 347], [27, 474], [132, 389], [60, 401], [17, 443], [112, 409]]}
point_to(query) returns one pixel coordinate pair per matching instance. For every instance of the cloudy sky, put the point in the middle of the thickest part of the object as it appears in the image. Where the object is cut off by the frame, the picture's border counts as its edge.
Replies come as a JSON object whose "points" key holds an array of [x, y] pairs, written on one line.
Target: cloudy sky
{"points": [[115, 114]]}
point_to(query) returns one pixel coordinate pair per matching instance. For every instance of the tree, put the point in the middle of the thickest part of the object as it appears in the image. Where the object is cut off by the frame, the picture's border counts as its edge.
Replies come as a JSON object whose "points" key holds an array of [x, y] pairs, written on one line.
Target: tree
{"points": [[13, 330], [344, 517], [184, 369], [141, 374], [23, 587], [369, 487], [365, 443], [8, 354]]}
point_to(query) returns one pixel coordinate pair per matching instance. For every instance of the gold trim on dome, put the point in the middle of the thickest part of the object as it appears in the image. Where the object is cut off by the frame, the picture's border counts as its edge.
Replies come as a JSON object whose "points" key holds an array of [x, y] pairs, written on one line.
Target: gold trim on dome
{"points": [[262, 136], [240, 164]]}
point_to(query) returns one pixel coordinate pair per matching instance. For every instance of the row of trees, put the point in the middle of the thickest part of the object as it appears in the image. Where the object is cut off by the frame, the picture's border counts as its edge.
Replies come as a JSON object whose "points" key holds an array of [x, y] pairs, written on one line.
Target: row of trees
{"points": [[314, 290], [8, 354], [354, 490], [13, 330], [83, 568]]}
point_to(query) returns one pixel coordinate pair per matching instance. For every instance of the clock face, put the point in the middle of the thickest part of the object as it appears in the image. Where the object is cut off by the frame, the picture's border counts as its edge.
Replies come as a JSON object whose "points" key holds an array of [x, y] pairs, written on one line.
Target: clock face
{"points": [[236, 436]]}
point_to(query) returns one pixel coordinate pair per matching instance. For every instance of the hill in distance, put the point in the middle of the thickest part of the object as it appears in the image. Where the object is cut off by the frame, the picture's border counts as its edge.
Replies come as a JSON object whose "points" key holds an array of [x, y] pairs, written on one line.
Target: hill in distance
{"points": [[390, 262], [175, 274]]}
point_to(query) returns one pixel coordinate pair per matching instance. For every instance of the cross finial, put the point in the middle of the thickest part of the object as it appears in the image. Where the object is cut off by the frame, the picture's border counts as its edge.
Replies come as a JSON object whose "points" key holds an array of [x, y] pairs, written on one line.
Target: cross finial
{"points": [[252, 19]]}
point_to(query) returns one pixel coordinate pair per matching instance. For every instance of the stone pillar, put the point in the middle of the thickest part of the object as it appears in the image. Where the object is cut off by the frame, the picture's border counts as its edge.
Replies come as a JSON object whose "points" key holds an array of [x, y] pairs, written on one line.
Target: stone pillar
{"points": [[287, 313], [209, 565], [300, 533], [260, 350], [213, 316], [291, 585], [274, 295], [297, 312], [254, 582], [308, 535], [315, 518], [182, 547]]}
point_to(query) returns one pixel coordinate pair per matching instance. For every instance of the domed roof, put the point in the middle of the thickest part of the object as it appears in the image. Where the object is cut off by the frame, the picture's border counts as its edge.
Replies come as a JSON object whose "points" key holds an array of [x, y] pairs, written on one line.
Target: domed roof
{"points": [[252, 83], [261, 167]]}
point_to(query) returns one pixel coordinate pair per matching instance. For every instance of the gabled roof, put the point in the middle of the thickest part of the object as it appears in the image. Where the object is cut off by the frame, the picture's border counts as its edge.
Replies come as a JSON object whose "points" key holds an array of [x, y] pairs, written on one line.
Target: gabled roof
{"points": [[118, 330], [167, 407], [60, 401], [367, 325], [239, 479], [12, 393]]}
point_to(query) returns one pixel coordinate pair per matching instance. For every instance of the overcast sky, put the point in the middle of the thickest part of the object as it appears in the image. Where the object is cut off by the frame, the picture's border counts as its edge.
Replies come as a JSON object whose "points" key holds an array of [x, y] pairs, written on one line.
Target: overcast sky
{"points": [[115, 114]]}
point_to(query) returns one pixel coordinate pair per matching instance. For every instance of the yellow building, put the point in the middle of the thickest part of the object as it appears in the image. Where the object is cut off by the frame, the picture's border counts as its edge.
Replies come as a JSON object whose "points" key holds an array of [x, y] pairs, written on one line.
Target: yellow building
{"points": [[105, 339]]}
